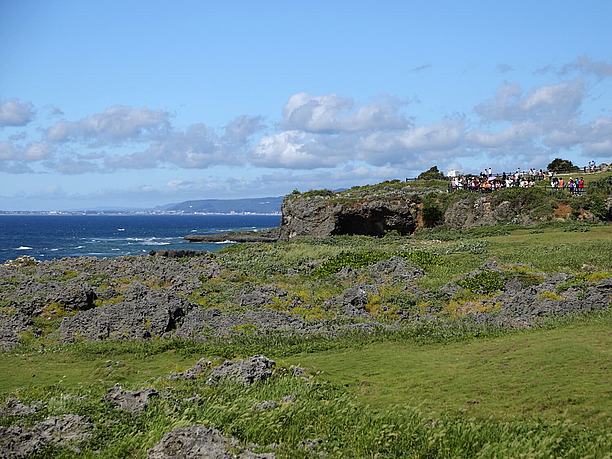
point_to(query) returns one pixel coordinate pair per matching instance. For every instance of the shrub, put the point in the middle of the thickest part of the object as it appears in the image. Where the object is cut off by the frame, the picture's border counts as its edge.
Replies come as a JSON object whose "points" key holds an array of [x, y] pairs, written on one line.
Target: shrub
{"points": [[561, 165], [484, 282], [431, 174], [354, 260]]}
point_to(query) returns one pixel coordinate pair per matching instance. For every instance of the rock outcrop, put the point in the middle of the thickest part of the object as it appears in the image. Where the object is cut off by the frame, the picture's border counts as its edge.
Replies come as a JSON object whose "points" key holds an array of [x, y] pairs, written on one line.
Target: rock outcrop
{"points": [[482, 211], [248, 371], [67, 430], [143, 314], [134, 402], [321, 216], [200, 441]]}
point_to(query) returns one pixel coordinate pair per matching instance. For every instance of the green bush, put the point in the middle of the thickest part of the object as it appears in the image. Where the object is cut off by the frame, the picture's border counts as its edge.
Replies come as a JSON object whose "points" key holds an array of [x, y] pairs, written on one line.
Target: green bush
{"points": [[353, 260], [484, 282], [431, 174]]}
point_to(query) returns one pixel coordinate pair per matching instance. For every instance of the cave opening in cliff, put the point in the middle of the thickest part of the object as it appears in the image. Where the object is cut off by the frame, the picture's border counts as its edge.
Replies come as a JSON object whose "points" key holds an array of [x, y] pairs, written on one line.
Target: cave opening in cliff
{"points": [[373, 223]]}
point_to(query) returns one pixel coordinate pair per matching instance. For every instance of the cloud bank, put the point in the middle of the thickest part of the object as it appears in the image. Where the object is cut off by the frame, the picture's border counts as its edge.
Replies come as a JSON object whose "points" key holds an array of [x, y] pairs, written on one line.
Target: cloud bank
{"points": [[327, 132]]}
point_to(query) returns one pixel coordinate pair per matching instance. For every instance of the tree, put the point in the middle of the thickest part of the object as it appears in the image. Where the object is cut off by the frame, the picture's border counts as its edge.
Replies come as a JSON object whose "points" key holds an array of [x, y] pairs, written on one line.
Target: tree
{"points": [[561, 165], [431, 174]]}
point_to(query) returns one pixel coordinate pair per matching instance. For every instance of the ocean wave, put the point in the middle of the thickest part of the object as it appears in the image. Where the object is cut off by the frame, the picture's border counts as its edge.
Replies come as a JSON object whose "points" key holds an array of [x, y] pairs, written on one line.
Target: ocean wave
{"points": [[155, 243], [80, 247], [153, 238], [23, 247], [225, 242]]}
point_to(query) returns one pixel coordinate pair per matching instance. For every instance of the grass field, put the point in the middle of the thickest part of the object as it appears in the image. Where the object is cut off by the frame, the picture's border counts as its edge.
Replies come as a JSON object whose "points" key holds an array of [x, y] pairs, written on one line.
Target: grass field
{"points": [[562, 373], [453, 389], [537, 393]]}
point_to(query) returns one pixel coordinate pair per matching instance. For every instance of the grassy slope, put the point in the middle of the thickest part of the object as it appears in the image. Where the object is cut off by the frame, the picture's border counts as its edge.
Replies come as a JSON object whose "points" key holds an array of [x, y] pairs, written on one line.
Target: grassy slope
{"points": [[383, 396], [562, 373]]}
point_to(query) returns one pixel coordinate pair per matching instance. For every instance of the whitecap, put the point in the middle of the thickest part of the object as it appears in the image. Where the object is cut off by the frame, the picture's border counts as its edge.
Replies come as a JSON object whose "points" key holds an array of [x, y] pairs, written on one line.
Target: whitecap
{"points": [[225, 242], [23, 247], [120, 229], [80, 247]]}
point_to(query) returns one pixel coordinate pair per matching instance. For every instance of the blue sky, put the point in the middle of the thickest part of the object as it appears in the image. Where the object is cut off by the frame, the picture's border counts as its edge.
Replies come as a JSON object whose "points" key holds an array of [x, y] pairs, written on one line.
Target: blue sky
{"points": [[139, 103]]}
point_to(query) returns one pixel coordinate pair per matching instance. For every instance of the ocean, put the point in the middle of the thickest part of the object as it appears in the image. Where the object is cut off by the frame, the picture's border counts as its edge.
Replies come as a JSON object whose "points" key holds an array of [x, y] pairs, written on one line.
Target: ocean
{"points": [[47, 236]]}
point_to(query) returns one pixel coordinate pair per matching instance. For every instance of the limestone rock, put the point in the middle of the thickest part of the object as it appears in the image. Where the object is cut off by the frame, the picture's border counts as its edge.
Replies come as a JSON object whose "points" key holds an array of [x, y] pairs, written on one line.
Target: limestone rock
{"points": [[199, 441], [134, 402], [322, 216], [144, 314], [18, 442], [14, 407], [248, 371]]}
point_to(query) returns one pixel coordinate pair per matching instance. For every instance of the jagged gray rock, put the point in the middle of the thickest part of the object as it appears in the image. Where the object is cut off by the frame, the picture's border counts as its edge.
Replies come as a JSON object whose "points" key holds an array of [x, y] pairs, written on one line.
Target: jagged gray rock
{"points": [[321, 216], [258, 296], [266, 405], [66, 430], [248, 371], [144, 314], [14, 407], [134, 402], [194, 372], [200, 441], [11, 326], [397, 269], [353, 300]]}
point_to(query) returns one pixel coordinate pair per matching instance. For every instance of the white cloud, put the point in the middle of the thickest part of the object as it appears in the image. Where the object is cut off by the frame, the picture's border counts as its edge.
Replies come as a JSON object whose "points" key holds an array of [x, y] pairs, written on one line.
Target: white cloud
{"points": [[587, 66], [316, 132], [115, 124], [15, 112], [34, 151], [331, 113], [297, 150], [516, 134], [547, 103]]}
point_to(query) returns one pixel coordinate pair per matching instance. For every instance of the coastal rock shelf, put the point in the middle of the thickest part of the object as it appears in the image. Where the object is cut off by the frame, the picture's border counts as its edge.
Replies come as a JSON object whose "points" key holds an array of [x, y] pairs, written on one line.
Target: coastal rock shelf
{"points": [[270, 235]]}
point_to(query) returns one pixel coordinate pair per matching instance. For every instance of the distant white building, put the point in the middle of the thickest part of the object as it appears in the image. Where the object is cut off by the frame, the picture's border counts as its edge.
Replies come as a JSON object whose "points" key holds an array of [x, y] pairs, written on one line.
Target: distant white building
{"points": [[453, 173]]}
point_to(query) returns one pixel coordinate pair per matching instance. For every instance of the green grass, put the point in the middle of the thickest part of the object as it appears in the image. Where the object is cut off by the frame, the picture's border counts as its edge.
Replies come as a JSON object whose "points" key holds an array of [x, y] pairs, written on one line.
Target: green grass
{"points": [[449, 388], [562, 373], [541, 393], [71, 370]]}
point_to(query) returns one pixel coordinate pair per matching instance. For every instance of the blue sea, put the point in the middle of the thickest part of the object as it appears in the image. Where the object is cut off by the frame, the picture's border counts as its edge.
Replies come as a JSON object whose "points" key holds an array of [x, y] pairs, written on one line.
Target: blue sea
{"points": [[47, 237]]}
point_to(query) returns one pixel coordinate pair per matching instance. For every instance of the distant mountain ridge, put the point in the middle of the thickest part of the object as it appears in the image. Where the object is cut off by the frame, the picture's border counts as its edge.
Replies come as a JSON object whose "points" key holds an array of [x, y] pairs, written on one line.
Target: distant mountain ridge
{"points": [[266, 205]]}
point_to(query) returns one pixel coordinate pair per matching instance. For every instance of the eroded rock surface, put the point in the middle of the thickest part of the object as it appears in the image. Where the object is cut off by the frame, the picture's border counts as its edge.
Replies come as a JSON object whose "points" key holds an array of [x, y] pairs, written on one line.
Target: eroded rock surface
{"points": [[321, 216], [134, 402], [354, 300], [14, 407], [248, 371], [199, 441], [67, 430], [143, 314]]}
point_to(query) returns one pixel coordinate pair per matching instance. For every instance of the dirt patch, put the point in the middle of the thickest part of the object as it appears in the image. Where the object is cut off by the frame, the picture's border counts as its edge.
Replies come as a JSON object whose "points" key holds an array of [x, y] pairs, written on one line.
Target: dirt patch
{"points": [[563, 211], [420, 222]]}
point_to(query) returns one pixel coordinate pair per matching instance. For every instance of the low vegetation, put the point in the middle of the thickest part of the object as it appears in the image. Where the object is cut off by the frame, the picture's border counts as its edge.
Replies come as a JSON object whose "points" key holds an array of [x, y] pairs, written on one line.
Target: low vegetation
{"points": [[446, 385]]}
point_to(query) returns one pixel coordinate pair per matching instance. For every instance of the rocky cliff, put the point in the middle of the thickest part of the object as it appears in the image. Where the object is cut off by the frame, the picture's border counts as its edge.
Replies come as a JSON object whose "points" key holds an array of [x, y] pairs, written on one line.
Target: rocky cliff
{"points": [[324, 216], [396, 206]]}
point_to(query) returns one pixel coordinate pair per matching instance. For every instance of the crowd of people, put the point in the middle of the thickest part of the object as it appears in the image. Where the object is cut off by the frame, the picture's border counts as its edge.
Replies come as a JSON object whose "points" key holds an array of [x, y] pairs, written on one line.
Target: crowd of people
{"points": [[574, 186], [486, 181]]}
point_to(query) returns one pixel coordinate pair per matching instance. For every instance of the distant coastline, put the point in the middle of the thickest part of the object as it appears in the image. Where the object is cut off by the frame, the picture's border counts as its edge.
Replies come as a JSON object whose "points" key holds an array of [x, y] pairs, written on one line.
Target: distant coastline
{"points": [[93, 213]]}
